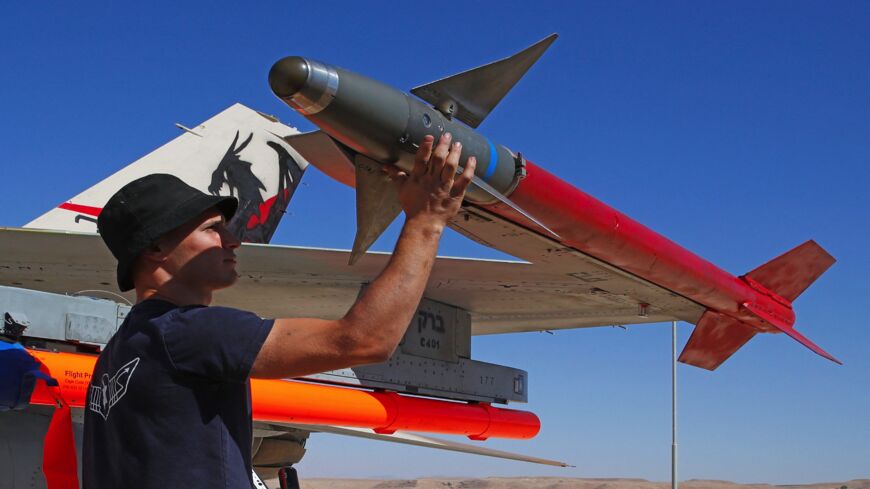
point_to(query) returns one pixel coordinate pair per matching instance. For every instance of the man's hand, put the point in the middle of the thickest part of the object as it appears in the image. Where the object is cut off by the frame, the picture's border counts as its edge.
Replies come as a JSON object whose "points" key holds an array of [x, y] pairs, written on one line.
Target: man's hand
{"points": [[433, 190]]}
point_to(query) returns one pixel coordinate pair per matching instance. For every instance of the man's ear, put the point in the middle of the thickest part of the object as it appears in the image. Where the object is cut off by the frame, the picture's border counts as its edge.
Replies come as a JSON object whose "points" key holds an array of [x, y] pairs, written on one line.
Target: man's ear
{"points": [[155, 252]]}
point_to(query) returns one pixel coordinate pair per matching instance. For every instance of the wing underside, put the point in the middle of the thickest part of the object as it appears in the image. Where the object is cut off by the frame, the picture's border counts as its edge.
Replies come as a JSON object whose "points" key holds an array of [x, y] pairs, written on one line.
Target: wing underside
{"points": [[560, 289]]}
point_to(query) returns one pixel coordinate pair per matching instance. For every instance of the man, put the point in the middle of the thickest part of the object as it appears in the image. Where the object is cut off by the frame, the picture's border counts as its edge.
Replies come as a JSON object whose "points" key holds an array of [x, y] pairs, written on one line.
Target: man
{"points": [[169, 402]]}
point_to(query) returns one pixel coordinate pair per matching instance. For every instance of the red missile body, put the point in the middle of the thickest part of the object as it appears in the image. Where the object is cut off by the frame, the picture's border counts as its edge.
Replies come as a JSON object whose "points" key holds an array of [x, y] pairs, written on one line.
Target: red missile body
{"points": [[590, 226], [597, 229]]}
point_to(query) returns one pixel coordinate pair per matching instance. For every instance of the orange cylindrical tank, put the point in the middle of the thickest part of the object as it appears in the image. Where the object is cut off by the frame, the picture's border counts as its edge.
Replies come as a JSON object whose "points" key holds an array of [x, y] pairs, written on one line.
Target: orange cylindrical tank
{"points": [[293, 401]]}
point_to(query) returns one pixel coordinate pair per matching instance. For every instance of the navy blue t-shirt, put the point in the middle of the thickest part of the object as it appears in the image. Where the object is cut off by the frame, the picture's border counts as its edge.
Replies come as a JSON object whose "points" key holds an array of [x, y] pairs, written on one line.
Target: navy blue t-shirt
{"points": [[169, 404]]}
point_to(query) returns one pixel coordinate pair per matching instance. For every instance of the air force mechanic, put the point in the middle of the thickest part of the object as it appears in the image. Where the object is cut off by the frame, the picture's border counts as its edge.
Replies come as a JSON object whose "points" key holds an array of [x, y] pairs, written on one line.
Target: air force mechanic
{"points": [[169, 401]]}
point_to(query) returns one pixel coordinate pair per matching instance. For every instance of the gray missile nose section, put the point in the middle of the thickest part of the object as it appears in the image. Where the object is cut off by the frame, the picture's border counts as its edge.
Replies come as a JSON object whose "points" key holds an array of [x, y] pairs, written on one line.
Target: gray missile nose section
{"points": [[288, 76], [369, 124], [306, 85]]}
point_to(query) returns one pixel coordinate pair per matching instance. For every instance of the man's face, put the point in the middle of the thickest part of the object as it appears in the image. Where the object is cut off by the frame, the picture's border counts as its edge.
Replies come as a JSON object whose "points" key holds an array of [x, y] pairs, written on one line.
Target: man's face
{"points": [[200, 254]]}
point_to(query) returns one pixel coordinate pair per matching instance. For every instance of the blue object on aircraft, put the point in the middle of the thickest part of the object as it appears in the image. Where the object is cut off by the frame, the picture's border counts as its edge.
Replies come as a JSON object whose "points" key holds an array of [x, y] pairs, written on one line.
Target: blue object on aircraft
{"points": [[18, 375]]}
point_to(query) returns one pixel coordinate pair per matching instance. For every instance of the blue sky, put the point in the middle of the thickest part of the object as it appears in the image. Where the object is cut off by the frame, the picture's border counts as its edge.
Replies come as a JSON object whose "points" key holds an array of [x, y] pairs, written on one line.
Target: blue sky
{"points": [[738, 129]]}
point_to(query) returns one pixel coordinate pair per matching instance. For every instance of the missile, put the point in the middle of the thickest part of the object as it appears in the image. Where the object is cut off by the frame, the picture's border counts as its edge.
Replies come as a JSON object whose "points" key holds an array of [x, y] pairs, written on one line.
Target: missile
{"points": [[365, 124], [294, 402], [373, 124]]}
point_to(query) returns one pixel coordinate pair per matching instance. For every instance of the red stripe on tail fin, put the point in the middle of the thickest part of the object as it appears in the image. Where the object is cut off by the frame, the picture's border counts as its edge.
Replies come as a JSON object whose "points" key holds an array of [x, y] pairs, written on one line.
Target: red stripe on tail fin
{"points": [[81, 209]]}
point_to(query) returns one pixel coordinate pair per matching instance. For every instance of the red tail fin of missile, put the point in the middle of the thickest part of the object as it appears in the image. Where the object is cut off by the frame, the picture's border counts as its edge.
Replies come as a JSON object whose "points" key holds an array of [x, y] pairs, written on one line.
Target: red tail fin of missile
{"points": [[789, 274], [807, 343], [717, 336]]}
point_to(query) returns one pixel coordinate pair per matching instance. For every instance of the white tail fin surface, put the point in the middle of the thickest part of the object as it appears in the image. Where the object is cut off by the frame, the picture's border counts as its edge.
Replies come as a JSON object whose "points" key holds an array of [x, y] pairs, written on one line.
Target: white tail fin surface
{"points": [[238, 152]]}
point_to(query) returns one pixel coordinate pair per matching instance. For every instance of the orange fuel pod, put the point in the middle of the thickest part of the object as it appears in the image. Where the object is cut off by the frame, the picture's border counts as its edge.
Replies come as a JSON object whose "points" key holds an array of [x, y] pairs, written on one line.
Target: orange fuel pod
{"points": [[293, 401]]}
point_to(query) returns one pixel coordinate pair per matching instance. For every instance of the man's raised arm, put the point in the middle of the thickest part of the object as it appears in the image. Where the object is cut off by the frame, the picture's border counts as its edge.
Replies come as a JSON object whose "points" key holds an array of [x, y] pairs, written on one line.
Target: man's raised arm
{"points": [[370, 331]]}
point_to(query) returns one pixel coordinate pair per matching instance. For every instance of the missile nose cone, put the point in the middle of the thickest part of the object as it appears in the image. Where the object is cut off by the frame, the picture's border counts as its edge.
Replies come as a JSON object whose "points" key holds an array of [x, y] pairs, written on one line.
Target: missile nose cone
{"points": [[288, 76], [306, 85]]}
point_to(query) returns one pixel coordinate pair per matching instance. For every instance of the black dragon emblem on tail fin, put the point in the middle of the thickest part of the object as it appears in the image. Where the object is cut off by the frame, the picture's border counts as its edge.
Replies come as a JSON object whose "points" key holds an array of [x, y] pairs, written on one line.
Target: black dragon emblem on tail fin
{"points": [[257, 218]]}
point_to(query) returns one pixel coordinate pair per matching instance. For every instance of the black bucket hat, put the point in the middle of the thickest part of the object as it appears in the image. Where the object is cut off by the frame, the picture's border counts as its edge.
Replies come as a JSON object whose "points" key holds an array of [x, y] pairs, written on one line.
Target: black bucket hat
{"points": [[146, 209]]}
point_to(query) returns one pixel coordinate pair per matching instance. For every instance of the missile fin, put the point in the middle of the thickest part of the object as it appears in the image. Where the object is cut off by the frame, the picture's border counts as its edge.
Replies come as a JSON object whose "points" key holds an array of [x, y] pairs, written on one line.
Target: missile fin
{"points": [[377, 205], [789, 274], [793, 333], [506, 201], [716, 337], [325, 153], [474, 93]]}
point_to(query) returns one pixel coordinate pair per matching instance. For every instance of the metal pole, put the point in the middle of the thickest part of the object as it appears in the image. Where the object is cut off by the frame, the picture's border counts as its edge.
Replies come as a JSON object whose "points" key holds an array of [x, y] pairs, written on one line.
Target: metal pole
{"points": [[674, 405]]}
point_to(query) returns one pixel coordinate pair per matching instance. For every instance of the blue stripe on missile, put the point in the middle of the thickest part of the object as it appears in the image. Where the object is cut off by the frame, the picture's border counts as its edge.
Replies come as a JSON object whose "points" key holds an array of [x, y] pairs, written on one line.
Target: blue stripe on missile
{"points": [[493, 161]]}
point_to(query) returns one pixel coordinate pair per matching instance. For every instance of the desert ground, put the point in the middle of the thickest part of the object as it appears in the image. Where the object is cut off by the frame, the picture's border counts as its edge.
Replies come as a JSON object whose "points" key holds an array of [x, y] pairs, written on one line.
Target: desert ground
{"points": [[555, 483]]}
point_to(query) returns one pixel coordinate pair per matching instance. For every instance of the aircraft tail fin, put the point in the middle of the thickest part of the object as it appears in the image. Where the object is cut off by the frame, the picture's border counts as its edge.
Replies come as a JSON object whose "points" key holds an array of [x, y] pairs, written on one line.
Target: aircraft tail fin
{"points": [[717, 336], [238, 152]]}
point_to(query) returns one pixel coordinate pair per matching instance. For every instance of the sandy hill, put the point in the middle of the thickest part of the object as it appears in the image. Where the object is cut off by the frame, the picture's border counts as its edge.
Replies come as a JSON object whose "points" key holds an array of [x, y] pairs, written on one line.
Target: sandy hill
{"points": [[556, 483]]}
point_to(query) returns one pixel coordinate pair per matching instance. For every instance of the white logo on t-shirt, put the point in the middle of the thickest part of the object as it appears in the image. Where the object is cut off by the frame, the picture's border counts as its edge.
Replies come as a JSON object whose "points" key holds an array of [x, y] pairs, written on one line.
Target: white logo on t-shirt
{"points": [[102, 397]]}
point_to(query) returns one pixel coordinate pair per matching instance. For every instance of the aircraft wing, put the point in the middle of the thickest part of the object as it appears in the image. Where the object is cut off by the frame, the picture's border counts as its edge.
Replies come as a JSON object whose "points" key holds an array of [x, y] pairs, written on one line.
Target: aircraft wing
{"points": [[560, 289]]}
